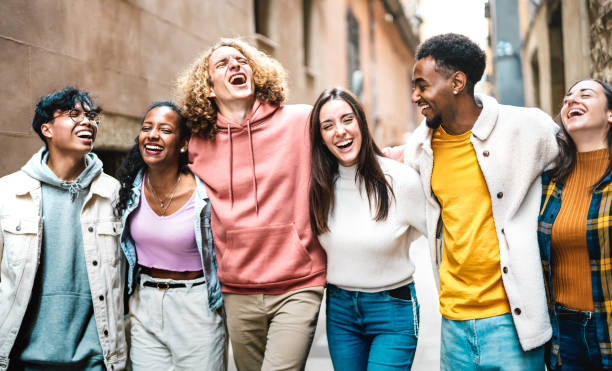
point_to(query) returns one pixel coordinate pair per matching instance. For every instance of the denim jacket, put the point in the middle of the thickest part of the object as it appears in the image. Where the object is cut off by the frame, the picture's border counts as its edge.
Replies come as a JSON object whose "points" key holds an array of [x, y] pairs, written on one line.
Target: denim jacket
{"points": [[21, 234], [207, 252]]}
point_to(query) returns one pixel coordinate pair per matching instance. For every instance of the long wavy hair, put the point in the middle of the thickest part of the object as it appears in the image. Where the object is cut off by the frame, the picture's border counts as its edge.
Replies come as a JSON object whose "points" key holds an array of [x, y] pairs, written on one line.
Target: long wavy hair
{"points": [[133, 162], [566, 161], [325, 166], [193, 86]]}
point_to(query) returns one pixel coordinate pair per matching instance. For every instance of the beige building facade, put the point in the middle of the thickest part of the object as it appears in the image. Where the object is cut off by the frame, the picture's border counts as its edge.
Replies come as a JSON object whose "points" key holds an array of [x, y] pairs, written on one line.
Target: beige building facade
{"points": [[128, 53], [563, 41]]}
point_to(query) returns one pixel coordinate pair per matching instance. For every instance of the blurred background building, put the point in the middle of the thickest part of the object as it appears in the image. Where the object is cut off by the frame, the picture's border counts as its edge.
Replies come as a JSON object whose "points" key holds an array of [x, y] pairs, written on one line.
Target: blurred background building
{"points": [[128, 53], [546, 46]]}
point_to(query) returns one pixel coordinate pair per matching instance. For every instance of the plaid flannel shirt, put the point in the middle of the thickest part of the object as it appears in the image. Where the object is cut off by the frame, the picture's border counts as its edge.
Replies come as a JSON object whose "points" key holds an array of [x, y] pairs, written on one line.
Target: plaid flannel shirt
{"points": [[599, 232]]}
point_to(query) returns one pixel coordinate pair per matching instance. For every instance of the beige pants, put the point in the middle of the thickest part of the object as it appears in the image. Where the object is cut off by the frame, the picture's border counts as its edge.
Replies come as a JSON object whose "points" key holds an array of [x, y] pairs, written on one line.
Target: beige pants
{"points": [[272, 332]]}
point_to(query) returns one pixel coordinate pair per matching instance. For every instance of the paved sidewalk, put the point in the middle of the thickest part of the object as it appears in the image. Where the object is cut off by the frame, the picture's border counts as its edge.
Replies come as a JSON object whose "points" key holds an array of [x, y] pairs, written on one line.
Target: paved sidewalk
{"points": [[428, 348]]}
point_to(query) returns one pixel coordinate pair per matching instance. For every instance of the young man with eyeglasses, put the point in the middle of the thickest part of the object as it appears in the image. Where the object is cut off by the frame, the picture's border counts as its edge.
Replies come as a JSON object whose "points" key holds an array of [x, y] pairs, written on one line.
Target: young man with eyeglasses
{"points": [[61, 279]]}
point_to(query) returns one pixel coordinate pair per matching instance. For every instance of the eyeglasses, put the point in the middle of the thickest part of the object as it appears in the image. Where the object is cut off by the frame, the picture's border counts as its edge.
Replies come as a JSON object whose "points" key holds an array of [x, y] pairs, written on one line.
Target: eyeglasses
{"points": [[78, 116]]}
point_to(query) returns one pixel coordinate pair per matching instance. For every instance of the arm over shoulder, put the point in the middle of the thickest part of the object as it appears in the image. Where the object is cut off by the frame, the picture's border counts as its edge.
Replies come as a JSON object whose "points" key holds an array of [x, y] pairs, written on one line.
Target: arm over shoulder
{"points": [[547, 131], [409, 197]]}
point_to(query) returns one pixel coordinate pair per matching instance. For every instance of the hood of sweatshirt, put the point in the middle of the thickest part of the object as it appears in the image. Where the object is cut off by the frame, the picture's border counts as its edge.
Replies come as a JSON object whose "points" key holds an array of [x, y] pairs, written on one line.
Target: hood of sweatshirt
{"points": [[258, 115], [38, 169]]}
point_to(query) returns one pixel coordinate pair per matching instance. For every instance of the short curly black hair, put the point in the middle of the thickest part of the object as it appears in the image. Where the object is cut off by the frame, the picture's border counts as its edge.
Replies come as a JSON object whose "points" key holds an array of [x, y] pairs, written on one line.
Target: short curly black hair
{"points": [[62, 100], [453, 52]]}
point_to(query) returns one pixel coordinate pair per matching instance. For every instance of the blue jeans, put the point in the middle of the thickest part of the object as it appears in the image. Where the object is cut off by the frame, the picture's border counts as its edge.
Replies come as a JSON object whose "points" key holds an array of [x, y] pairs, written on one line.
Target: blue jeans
{"points": [[371, 331], [578, 343], [486, 344]]}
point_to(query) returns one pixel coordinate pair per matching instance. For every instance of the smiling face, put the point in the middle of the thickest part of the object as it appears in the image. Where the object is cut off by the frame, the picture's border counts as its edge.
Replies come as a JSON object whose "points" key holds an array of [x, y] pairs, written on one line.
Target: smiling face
{"points": [[585, 111], [231, 75], [63, 134], [159, 139], [432, 91], [340, 131]]}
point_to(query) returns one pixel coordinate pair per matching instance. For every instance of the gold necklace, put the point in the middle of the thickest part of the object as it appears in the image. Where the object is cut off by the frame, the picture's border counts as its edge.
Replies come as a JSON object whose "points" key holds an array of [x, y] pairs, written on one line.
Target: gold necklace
{"points": [[162, 205]]}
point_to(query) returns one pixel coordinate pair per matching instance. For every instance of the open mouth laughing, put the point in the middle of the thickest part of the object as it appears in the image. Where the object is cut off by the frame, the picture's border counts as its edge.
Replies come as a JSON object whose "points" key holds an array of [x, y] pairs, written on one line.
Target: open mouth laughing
{"points": [[574, 112], [344, 144], [153, 149], [86, 135], [238, 79]]}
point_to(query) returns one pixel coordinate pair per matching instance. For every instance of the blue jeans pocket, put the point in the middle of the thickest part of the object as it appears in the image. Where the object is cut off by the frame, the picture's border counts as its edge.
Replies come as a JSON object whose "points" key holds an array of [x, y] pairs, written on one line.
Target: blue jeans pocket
{"points": [[405, 312]]}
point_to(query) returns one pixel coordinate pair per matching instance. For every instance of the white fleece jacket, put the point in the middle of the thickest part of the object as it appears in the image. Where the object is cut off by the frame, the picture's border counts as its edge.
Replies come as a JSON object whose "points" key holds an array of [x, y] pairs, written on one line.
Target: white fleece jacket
{"points": [[368, 255], [513, 146]]}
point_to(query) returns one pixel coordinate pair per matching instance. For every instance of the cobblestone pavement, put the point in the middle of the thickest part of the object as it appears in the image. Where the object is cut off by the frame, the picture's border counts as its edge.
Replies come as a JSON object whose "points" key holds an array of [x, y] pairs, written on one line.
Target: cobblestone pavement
{"points": [[427, 356]]}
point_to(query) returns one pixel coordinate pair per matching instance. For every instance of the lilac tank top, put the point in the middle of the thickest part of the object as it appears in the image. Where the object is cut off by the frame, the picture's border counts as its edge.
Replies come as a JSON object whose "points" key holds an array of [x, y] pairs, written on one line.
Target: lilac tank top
{"points": [[165, 242]]}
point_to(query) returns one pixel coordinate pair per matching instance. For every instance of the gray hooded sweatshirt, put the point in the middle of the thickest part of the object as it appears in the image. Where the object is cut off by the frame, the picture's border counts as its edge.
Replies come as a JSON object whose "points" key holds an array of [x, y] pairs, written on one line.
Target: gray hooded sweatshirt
{"points": [[59, 329]]}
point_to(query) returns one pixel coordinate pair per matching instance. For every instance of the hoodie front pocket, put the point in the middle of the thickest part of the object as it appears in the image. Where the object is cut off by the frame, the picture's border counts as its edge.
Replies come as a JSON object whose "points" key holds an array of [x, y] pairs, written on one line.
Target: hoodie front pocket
{"points": [[264, 255]]}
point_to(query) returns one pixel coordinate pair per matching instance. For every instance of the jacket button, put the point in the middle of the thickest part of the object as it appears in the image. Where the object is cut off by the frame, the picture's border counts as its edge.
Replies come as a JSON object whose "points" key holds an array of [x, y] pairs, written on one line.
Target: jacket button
{"points": [[105, 332], [90, 229], [94, 263], [101, 297], [500, 194], [505, 270], [517, 311], [18, 228], [485, 153]]}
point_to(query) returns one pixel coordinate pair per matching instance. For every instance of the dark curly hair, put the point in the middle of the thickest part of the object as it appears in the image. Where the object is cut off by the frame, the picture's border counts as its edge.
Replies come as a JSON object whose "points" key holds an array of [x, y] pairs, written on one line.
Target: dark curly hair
{"points": [[62, 100], [133, 162], [453, 52]]}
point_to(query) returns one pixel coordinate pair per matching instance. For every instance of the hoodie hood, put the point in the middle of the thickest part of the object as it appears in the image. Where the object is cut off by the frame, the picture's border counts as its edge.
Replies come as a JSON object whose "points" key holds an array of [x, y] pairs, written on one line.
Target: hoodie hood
{"points": [[38, 169], [259, 113]]}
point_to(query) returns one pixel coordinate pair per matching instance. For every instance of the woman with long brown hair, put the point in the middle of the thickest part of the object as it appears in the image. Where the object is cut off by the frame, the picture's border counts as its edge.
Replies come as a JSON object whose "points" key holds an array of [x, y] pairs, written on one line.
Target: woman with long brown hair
{"points": [[366, 210], [574, 231]]}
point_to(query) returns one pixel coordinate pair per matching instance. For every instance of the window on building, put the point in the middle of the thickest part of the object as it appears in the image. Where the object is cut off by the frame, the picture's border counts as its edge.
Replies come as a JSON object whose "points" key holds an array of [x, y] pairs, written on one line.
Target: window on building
{"points": [[557, 58], [263, 25], [355, 76], [535, 78], [306, 25], [111, 160], [262, 17]]}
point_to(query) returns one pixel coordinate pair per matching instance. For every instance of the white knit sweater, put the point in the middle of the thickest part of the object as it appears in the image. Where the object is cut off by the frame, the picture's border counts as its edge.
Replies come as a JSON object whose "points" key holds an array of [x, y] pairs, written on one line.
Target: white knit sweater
{"points": [[366, 255]]}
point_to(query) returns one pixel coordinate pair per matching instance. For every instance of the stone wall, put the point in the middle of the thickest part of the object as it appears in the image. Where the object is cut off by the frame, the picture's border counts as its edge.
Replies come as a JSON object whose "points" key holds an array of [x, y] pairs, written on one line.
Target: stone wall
{"points": [[129, 52]]}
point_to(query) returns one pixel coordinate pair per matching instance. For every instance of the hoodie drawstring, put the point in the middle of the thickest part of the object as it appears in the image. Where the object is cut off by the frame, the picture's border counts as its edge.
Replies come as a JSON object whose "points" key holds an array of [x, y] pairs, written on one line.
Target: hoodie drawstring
{"points": [[231, 164], [231, 159], [253, 168], [73, 189]]}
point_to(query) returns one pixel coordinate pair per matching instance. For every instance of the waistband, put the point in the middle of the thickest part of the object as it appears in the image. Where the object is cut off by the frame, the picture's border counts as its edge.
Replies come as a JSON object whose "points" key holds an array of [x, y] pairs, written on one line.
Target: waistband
{"points": [[572, 314], [165, 283], [403, 292]]}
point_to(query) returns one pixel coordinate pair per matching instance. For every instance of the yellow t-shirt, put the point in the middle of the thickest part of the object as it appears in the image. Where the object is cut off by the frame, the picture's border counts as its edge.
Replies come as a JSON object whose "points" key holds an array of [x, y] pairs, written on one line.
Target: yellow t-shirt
{"points": [[470, 276]]}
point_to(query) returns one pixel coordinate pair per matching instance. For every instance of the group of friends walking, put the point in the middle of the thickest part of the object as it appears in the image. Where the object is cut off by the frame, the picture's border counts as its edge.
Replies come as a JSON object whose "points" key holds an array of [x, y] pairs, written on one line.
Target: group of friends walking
{"points": [[234, 213]]}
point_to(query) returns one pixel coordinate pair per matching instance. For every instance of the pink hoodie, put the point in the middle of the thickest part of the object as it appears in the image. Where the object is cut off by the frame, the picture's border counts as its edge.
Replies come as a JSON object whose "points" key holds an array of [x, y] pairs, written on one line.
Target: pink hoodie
{"points": [[256, 174]]}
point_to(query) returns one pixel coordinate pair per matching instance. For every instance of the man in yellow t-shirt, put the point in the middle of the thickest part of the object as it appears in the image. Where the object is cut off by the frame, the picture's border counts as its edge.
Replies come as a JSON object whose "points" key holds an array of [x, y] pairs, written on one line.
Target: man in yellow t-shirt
{"points": [[492, 296]]}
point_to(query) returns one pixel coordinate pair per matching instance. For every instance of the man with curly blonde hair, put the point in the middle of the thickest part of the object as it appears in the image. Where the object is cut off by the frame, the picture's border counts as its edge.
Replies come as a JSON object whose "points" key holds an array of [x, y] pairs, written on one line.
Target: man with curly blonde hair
{"points": [[253, 154]]}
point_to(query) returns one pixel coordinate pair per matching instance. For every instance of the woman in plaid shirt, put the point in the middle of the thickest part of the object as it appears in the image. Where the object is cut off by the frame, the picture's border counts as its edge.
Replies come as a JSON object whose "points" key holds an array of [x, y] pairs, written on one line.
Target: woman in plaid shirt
{"points": [[574, 231]]}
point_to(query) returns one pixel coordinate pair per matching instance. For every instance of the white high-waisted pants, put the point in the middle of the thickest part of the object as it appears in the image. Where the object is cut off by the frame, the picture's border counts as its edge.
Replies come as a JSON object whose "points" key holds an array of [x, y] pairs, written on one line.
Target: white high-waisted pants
{"points": [[173, 329]]}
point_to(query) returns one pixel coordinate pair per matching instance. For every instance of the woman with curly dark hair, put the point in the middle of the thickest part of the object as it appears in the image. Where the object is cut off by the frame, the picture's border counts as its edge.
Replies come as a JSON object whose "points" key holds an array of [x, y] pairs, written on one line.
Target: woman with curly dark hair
{"points": [[574, 231], [253, 153], [175, 297]]}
